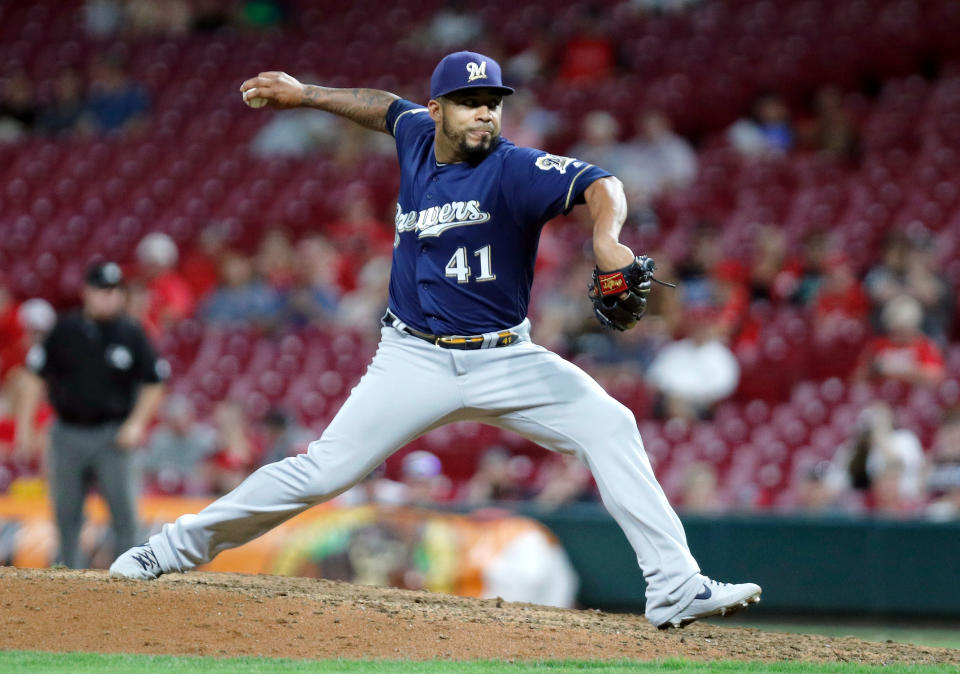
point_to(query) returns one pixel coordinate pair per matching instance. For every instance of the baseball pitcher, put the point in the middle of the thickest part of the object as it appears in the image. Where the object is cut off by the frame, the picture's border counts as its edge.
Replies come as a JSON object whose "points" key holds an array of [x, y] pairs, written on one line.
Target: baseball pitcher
{"points": [[455, 342]]}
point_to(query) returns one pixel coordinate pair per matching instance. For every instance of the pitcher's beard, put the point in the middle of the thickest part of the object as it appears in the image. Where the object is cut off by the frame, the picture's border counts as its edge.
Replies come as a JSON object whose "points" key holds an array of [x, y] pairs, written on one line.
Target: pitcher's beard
{"points": [[472, 154]]}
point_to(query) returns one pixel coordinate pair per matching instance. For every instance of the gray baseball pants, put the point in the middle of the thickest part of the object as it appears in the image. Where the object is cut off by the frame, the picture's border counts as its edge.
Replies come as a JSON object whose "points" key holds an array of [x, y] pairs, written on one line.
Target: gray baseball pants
{"points": [[77, 455], [411, 387]]}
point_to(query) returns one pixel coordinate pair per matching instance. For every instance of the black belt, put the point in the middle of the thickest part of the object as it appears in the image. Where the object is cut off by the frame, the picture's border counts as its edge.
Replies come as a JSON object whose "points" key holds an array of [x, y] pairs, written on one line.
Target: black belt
{"points": [[489, 340]]}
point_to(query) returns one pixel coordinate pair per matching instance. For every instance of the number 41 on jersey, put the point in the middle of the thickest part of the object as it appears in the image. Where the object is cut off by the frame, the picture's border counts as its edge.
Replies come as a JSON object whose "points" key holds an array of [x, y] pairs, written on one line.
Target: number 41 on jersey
{"points": [[458, 268]]}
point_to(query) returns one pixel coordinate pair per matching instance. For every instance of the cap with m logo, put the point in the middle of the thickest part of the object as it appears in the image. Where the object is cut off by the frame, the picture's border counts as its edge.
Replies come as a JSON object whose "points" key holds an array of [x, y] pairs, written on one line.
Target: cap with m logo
{"points": [[466, 70], [477, 72]]}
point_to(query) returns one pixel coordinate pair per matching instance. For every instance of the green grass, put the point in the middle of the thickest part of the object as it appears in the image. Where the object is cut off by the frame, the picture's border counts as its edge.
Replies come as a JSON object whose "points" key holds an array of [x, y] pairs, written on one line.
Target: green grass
{"points": [[29, 662]]}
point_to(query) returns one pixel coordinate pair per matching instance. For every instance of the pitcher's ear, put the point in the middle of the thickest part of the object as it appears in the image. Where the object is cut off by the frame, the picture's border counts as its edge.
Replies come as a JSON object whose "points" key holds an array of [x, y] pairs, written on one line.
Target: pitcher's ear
{"points": [[434, 107]]}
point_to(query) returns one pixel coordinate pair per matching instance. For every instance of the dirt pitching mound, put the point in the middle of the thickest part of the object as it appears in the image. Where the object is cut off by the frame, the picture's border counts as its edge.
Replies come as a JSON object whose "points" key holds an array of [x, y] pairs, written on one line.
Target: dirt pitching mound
{"points": [[233, 615]]}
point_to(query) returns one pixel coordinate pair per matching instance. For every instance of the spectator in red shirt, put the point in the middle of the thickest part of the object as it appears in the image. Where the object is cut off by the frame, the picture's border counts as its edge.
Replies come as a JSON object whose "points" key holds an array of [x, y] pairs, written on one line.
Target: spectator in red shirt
{"points": [[169, 297], [11, 333], [710, 282], [20, 328], [840, 291], [358, 236], [839, 300], [904, 354], [201, 265], [589, 56]]}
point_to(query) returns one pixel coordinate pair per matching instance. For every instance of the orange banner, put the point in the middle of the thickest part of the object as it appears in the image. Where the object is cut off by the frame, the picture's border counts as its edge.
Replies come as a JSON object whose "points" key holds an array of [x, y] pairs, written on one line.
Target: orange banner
{"points": [[489, 553]]}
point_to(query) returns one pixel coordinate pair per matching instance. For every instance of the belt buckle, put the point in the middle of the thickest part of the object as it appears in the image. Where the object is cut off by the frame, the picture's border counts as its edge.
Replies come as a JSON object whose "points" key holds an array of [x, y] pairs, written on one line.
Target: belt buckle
{"points": [[459, 342], [504, 338]]}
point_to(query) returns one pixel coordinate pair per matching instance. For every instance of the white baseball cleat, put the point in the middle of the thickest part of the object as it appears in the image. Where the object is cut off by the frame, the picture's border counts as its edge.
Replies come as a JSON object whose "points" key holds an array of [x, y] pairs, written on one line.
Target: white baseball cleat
{"points": [[137, 563], [715, 598]]}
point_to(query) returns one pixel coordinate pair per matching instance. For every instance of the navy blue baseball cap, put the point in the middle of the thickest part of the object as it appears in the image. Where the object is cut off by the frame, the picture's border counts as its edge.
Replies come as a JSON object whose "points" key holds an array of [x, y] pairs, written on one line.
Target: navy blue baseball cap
{"points": [[466, 70]]}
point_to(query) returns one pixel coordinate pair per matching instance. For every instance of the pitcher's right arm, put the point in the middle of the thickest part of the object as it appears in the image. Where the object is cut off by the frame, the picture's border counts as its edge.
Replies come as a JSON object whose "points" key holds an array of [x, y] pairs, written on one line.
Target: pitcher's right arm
{"points": [[366, 107]]}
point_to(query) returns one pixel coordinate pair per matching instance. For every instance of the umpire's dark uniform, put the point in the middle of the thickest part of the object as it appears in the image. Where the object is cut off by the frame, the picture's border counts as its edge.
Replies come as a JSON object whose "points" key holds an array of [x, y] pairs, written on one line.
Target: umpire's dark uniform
{"points": [[94, 370]]}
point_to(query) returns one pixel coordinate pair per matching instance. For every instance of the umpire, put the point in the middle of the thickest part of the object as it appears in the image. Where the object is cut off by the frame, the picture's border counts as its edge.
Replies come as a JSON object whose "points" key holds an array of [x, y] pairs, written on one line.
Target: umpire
{"points": [[105, 382]]}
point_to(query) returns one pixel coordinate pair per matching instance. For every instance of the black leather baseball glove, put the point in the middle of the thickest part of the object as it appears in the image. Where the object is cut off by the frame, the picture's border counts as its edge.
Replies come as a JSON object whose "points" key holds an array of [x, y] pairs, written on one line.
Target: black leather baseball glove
{"points": [[619, 297]]}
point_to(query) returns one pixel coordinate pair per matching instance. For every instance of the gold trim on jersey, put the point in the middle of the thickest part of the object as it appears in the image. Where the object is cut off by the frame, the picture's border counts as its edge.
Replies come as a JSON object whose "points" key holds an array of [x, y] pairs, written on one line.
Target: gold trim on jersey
{"points": [[566, 204], [405, 112]]}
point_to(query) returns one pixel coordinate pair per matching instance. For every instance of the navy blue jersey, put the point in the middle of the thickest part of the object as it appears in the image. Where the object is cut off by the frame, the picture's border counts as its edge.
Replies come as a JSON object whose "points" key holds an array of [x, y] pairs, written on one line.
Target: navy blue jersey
{"points": [[466, 235]]}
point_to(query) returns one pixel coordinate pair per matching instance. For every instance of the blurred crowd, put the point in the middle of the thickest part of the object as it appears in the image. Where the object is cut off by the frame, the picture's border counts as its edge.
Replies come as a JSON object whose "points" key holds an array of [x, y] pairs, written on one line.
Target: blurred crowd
{"points": [[105, 101], [684, 351], [101, 98], [689, 350]]}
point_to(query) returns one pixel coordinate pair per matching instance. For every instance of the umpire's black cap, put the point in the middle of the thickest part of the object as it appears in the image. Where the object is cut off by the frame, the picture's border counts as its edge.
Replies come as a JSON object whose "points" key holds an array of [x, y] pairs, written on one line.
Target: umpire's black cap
{"points": [[104, 275]]}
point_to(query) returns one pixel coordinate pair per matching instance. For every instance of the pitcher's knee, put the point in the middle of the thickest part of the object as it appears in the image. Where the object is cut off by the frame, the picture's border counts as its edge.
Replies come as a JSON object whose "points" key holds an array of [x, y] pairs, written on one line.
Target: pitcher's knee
{"points": [[612, 428], [327, 474], [313, 483], [613, 418]]}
